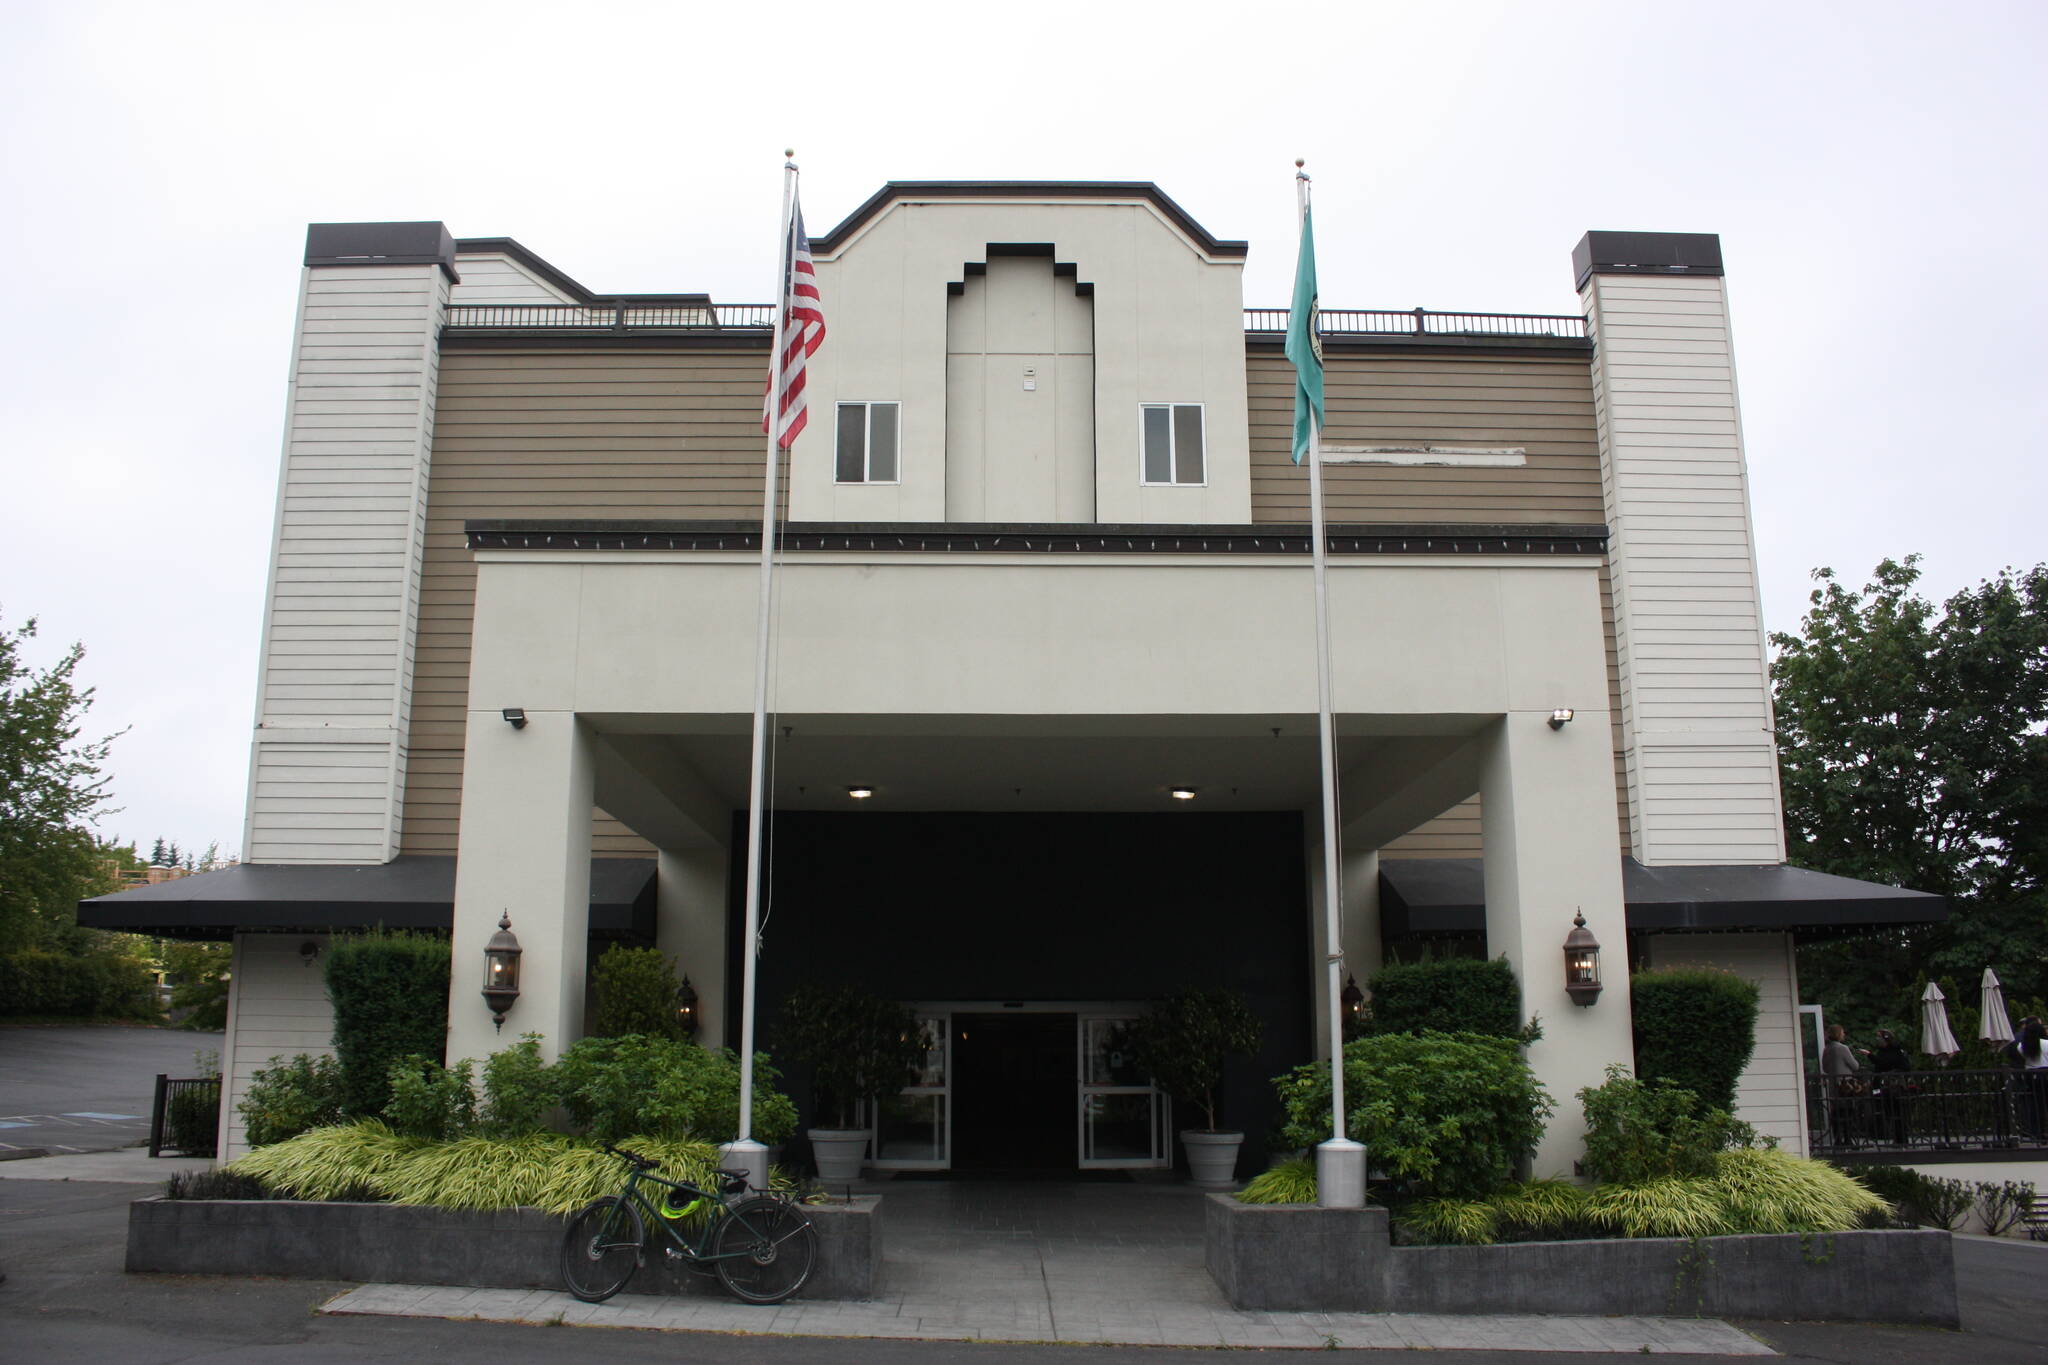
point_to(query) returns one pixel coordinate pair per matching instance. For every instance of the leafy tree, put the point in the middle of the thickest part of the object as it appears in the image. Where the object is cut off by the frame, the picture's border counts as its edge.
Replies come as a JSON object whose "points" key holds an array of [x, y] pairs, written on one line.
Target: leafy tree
{"points": [[198, 977], [50, 789], [636, 993], [1911, 752]]}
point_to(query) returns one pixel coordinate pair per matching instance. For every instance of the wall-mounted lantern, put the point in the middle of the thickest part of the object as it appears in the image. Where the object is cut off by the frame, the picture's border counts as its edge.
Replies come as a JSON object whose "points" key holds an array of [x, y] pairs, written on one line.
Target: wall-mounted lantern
{"points": [[1581, 963], [1353, 1001], [501, 970], [308, 951], [686, 1008]]}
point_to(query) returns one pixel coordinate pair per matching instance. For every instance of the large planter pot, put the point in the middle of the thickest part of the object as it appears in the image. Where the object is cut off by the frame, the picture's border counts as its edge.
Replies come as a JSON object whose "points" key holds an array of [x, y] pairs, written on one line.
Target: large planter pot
{"points": [[838, 1152], [1212, 1158]]}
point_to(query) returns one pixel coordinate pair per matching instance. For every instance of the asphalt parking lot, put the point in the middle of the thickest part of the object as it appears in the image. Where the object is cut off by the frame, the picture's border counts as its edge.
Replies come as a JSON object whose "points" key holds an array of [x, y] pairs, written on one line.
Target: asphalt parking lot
{"points": [[68, 1090]]}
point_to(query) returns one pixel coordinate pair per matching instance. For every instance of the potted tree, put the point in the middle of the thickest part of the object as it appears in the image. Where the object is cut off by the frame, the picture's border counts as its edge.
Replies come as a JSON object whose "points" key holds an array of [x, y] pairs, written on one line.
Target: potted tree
{"points": [[1183, 1042], [857, 1045]]}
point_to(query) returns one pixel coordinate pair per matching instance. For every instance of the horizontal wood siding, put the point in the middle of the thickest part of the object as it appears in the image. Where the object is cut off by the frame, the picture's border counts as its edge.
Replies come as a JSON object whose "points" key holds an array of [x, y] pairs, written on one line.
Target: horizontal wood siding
{"points": [[1771, 1093], [493, 277], [344, 587], [1543, 405], [1701, 769], [562, 434], [280, 1010]]}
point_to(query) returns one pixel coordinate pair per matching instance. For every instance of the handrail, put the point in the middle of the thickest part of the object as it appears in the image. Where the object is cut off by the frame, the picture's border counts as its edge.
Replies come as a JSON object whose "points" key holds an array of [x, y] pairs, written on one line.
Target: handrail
{"points": [[1422, 322]]}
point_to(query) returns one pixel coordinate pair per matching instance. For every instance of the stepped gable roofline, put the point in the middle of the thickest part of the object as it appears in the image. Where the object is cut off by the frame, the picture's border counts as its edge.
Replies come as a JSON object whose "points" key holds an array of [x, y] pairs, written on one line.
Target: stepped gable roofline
{"points": [[1031, 189], [525, 256]]}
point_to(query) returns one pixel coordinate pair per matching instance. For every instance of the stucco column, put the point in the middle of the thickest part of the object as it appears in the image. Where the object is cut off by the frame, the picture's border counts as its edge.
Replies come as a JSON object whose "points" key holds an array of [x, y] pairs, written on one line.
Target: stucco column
{"points": [[1551, 839], [690, 926], [524, 851]]}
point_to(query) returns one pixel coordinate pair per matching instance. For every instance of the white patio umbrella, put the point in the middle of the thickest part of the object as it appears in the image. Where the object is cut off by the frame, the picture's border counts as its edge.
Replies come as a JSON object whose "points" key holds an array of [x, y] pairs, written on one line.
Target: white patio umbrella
{"points": [[1996, 1027], [1936, 1038]]}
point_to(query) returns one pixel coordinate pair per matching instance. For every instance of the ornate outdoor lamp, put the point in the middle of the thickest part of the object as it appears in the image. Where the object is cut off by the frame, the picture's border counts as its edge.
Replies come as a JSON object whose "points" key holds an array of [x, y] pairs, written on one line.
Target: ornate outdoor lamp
{"points": [[501, 970], [1353, 1001], [1581, 963], [686, 1007]]}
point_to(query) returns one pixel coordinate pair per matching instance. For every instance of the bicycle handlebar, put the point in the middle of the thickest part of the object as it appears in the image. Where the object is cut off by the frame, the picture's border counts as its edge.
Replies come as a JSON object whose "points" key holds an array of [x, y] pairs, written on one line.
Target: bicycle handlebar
{"points": [[637, 1161]]}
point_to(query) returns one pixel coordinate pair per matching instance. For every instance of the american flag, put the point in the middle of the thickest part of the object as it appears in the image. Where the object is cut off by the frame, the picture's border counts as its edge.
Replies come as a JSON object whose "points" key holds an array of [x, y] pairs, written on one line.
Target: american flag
{"points": [[803, 332]]}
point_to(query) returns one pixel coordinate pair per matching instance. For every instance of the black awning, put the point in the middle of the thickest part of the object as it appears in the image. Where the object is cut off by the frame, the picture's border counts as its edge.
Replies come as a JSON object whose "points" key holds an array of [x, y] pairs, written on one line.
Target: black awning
{"points": [[1437, 896], [412, 891]]}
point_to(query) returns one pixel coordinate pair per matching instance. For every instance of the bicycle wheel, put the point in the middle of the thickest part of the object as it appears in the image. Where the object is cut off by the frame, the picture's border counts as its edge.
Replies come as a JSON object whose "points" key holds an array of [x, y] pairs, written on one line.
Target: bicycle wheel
{"points": [[601, 1250], [766, 1249]]}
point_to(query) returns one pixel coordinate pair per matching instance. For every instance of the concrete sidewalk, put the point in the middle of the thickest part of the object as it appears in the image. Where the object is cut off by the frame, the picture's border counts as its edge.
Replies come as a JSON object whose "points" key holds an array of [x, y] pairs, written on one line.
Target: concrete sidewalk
{"points": [[127, 1166], [1136, 1323]]}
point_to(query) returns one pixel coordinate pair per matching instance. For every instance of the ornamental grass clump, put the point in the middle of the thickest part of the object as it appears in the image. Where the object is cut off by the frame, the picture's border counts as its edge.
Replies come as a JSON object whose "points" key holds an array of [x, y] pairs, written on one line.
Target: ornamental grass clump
{"points": [[1292, 1181], [1450, 1222], [1676, 1206], [1764, 1190], [348, 1161], [1541, 1211]]}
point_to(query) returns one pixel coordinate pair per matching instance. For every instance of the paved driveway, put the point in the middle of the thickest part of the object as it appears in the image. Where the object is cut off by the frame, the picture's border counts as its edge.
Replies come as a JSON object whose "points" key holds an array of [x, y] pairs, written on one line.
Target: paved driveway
{"points": [[87, 1089]]}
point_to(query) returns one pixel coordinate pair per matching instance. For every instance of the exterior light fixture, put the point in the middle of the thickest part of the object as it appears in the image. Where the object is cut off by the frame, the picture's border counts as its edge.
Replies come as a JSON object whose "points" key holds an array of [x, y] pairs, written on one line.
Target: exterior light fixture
{"points": [[686, 1008], [308, 951], [515, 716], [1353, 1000], [1581, 963], [501, 970], [1560, 718], [860, 791], [1181, 793]]}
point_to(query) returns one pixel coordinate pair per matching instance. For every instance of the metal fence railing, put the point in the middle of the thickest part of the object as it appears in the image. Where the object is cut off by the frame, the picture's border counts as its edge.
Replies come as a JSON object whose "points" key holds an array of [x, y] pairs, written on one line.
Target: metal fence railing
{"points": [[1927, 1111], [620, 316], [1422, 322], [185, 1117]]}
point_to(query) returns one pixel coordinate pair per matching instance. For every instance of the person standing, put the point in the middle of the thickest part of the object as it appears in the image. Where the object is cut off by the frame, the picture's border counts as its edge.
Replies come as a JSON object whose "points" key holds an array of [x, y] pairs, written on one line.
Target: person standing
{"points": [[1889, 1061], [2028, 1052], [1845, 1086]]}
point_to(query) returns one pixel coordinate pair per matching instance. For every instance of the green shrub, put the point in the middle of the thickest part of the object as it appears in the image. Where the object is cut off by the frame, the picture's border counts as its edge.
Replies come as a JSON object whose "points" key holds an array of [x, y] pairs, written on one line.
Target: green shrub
{"points": [[1446, 1114], [390, 994], [429, 1100], [636, 994], [856, 1045], [1541, 1211], [1694, 1027], [199, 987], [2002, 1203], [1646, 1130], [1292, 1181], [666, 1087], [1449, 1222], [547, 1171], [1453, 995], [520, 1090], [287, 1098], [96, 985], [1183, 1041]]}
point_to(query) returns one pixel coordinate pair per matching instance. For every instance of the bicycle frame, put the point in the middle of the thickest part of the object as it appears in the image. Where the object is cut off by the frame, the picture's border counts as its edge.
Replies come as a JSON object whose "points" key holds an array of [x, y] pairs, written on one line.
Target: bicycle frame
{"points": [[697, 1251]]}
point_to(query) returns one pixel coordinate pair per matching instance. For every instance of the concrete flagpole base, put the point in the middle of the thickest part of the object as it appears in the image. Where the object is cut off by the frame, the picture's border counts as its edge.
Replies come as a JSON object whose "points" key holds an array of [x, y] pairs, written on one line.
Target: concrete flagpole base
{"points": [[749, 1156], [1340, 1174]]}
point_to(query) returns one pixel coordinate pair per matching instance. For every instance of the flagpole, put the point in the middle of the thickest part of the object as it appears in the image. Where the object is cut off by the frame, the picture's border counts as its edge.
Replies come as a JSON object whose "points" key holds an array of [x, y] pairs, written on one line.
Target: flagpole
{"points": [[1340, 1162], [744, 1153]]}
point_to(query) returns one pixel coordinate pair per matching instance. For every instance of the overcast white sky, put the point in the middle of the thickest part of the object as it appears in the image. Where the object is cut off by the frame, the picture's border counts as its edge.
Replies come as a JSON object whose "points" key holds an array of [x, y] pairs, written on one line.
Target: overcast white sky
{"points": [[1875, 171]]}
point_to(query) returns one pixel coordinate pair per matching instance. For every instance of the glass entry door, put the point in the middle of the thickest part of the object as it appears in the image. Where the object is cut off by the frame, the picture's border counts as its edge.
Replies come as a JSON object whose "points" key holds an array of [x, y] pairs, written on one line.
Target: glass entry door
{"points": [[913, 1128], [1125, 1121]]}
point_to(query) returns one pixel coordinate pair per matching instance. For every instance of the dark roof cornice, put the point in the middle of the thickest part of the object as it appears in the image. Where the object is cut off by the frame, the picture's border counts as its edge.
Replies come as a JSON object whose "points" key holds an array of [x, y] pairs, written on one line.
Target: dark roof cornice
{"points": [[1032, 189]]}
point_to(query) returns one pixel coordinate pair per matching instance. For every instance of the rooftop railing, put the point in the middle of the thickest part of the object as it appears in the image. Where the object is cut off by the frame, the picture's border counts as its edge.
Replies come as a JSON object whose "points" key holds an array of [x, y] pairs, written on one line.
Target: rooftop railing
{"points": [[624, 316], [1420, 322]]}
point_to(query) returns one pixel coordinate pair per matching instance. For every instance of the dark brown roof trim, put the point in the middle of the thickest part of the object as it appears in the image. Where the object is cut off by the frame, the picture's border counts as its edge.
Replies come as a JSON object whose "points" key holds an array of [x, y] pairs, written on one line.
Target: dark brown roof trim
{"points": [[1034, 538], [568, 286], [568, 339], [1037, 189]]}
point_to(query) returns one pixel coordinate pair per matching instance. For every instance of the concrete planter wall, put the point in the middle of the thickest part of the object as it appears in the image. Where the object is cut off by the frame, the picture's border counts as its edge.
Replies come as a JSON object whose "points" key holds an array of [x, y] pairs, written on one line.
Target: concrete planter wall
{"points": [[398, 1244], [1278, 1256]]}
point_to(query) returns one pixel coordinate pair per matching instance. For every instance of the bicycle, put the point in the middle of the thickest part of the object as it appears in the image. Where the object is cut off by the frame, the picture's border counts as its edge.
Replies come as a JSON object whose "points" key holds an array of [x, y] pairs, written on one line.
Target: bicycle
{"points": [[762, 1248]]}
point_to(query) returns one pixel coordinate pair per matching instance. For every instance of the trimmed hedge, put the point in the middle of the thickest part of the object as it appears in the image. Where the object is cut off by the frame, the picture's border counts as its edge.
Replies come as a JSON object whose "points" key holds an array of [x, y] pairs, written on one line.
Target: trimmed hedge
{"points": [[390, 995], [1455, 995], [636, 994], [36, 982], [1694, 1027]]}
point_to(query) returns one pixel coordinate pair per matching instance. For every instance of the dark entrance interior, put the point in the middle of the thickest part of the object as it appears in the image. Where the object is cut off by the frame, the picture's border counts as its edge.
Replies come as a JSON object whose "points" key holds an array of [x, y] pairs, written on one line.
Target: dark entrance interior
{"points": [[1014, 1092]]}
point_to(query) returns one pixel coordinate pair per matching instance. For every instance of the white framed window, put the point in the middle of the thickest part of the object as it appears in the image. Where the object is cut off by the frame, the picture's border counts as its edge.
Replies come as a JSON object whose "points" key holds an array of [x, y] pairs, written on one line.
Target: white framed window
{"points": [[866, 450], [1171, 446]]}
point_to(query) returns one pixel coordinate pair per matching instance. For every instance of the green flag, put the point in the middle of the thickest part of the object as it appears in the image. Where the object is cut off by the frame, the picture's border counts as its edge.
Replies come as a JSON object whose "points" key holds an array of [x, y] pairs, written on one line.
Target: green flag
{"points": [[1304, 344]]}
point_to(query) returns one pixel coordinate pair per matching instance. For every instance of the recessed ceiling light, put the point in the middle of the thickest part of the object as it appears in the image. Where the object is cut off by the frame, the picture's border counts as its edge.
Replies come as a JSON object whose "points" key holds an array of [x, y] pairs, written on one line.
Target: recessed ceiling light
{"points": [[1181, 793], [860, 791]]}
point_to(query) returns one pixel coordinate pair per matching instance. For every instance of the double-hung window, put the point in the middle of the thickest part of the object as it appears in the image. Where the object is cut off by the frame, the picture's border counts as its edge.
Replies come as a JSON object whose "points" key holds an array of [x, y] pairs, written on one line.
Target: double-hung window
{"points": [[1172, 443], [867, 443]]}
